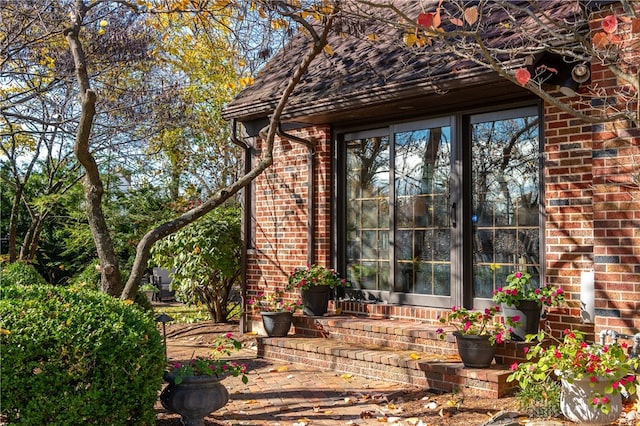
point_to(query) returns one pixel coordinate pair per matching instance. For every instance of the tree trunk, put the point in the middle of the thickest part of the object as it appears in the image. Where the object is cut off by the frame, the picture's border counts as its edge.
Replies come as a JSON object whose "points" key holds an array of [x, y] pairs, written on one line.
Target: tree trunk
{"points": [[93, 189], [13, 224], [32, 238]]}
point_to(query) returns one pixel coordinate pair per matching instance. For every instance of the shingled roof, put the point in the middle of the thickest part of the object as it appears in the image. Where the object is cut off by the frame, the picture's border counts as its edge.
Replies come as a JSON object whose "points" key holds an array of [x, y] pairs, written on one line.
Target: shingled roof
{"points": [[385, 73]]}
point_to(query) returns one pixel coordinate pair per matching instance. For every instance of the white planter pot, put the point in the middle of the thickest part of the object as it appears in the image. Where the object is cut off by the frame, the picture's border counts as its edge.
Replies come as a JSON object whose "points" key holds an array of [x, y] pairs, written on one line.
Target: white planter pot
{"points": [[575, 403]]}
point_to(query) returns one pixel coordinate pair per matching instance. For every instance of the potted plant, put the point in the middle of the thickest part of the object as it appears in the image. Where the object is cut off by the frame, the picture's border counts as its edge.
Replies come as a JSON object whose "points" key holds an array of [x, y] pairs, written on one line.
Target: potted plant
{"points": [[315, 283], [592, 375], [477, 333], [149, 290], [276, 311], [522, 299], [194, 388]]}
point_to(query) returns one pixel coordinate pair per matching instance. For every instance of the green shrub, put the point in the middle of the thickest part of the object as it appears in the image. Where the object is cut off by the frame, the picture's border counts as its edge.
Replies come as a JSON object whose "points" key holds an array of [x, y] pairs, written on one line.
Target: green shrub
{"points": [[540, 399], [74, 356], [20, 273], [89, 277], [205, 258]]}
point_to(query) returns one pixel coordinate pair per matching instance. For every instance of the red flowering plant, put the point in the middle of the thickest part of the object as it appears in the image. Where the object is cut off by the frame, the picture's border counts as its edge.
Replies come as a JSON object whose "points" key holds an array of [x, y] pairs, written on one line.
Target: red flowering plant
{"points": [[572, 359], [312, 275], [465, 321], [519, 289], [274, 302], [212, 365]]}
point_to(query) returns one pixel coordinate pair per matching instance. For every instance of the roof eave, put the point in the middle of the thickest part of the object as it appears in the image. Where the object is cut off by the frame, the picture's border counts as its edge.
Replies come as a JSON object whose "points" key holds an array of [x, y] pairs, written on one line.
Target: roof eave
{"points": [[374, 96]]}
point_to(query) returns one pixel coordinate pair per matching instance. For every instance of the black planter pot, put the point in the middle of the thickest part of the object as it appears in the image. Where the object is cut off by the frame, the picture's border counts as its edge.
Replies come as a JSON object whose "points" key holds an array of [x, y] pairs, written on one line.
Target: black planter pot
{"points": [[316, 300], [529, 313], [276, 324], [475, 351], [194, 398]]}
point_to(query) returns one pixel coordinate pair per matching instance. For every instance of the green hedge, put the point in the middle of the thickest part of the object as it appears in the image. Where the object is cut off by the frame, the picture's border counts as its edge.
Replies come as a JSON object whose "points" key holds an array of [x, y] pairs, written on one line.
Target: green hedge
{"points": [[73, 356], [21, 273]]}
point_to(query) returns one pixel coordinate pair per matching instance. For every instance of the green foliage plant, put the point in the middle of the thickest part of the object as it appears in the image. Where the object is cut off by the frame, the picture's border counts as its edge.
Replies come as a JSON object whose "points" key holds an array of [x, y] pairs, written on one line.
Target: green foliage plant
{"points": [[519, 289], [19, 273], [275, 301], [74, 356], [205, 259], [540, 399], [479, 323], [211, 365], [314, 275], [572, 358]]}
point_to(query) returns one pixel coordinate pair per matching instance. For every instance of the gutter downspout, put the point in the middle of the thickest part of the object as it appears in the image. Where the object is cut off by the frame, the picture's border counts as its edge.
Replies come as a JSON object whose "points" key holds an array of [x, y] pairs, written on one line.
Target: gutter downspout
{"points": [[246, 222], [310, 189]]}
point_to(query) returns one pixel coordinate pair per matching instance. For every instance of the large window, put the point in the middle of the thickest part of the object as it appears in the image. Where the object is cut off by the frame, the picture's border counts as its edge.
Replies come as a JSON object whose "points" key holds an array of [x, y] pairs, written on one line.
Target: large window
{"points": [[437, 212]]}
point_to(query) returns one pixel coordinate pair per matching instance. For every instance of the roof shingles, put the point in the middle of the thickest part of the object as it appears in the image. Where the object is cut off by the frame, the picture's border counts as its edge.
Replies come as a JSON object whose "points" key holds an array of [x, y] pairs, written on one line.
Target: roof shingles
{"points": [[364, 71]]}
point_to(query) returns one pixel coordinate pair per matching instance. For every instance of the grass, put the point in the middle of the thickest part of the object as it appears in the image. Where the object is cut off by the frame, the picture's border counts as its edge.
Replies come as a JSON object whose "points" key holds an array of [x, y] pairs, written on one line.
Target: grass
{"points": [[189, 314], [184, 314]]}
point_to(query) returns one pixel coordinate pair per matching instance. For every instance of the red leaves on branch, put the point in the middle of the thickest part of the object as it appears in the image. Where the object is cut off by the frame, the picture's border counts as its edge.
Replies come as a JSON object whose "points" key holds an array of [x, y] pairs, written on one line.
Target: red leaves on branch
{"points": [[600, 40], [523, 76], [425, 20], [610, 24]]}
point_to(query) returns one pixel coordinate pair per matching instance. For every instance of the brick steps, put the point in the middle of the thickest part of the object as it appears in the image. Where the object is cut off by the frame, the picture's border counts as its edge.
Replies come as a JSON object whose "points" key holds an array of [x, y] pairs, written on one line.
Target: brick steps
{"points": [[431, 371], [403, 351]]}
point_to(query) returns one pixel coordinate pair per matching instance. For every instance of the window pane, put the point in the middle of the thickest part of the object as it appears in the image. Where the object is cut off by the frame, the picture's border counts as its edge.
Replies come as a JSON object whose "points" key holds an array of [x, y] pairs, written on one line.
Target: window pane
{"points": [[368, 212], [422, 166], [505, 194]]}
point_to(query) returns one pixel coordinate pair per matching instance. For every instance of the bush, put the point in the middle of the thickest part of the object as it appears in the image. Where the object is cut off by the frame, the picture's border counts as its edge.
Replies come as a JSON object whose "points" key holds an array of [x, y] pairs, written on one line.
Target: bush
{"points": [[74, 356], [205, 257], [89, 277], [20, 273], [540, 399]]}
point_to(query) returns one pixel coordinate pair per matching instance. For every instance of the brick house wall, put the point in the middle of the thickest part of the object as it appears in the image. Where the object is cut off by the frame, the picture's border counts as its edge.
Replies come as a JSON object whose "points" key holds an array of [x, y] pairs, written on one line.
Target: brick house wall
{"points": [[592, 216], [593, 205], [282, 212]]}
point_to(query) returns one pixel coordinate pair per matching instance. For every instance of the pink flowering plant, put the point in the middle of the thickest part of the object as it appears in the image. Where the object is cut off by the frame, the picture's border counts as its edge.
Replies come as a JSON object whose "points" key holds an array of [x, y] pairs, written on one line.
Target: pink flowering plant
{"points": [[572, 358], [312, 275], [465, 321], [519, 289], [274, 302], [212, 365]]}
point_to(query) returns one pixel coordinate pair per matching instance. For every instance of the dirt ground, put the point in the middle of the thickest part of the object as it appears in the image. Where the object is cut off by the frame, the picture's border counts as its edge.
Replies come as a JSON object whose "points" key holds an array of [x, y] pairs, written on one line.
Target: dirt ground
{"points": [[406, 406]]}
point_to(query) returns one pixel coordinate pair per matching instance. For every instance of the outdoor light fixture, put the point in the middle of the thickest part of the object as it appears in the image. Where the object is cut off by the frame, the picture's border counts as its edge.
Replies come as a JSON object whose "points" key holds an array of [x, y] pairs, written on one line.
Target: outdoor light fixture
{"points": [[581, 73], [164, 319], [557, 71]]}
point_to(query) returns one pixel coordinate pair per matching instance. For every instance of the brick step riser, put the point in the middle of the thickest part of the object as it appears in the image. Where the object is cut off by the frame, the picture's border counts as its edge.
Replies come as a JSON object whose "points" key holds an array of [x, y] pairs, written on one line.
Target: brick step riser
{"points": [[412, 339], [448, 377], [393, 341]]}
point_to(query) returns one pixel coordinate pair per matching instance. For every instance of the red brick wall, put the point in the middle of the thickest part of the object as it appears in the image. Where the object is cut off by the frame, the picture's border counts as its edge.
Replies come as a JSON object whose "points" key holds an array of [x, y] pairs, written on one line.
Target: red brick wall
{"points": [[593, 201], [281, 212]]}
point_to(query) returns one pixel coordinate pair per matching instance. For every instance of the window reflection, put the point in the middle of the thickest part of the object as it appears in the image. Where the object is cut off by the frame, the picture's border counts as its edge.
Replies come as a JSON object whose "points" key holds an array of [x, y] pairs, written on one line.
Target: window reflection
{"points": [[422, 238], [505, 185], [368, 212]]}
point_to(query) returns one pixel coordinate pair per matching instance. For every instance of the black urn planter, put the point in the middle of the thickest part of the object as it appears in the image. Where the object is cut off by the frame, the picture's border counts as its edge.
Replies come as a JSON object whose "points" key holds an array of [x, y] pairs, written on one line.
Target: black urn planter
{"points": [[529, 313], [276, 324], [315, 300], [194, 398], [476, 351]]}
